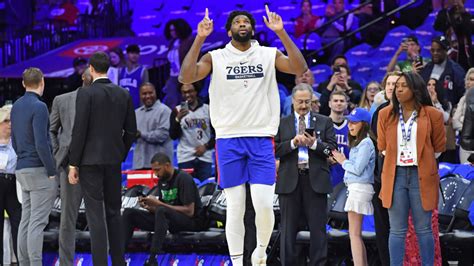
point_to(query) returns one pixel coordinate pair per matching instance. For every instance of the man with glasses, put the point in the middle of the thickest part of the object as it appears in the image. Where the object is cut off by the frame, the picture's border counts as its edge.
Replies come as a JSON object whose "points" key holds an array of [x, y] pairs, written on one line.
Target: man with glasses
{"points": [[303, 141]]}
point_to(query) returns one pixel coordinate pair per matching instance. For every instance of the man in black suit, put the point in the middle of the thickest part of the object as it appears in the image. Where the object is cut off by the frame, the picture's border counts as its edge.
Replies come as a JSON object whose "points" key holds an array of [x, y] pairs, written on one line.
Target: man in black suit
{"points": [[104, 130], [303, 176]]}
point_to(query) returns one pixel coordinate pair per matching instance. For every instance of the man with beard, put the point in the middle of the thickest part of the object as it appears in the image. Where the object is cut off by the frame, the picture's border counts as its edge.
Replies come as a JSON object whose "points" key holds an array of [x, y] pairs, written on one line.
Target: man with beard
{"points": [[153, 124], [177, 208], [245, 112], [449, 74]]}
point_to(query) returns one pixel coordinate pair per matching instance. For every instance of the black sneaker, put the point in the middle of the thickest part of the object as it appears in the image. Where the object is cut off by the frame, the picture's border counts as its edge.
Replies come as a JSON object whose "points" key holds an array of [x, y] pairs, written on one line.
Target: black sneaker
{"points": [[151, 262]]}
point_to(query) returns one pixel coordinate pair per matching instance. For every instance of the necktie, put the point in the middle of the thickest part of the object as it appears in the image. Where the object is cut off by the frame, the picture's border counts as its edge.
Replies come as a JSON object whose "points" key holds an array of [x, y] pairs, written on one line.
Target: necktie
{"points": [[301, 125]]}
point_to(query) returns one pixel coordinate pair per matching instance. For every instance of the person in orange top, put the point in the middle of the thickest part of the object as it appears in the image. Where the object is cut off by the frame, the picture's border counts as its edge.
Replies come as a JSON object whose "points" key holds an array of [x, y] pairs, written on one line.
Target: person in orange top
{"points": [[409, 140]]}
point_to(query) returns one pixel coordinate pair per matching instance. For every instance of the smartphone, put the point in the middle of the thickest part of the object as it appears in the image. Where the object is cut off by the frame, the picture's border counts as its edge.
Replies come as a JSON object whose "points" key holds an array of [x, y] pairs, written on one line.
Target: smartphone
{"points": [[184, 105], [310, 131], [419, 60]]}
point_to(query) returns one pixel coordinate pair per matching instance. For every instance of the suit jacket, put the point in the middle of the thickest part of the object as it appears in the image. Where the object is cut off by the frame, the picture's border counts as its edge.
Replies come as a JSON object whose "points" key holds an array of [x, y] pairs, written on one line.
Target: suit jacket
{"points": [[430, 138], [62, 121], [318, 166], [105, 125]]}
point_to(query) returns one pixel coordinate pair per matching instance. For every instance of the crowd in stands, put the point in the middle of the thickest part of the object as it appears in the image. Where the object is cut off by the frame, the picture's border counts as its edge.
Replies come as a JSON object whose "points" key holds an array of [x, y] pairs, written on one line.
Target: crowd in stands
{"points": [[181, 119]]}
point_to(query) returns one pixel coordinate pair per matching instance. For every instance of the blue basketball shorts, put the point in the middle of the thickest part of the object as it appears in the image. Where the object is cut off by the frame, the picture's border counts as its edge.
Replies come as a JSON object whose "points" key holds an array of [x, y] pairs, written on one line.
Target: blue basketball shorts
{"points": [[245, 160]]}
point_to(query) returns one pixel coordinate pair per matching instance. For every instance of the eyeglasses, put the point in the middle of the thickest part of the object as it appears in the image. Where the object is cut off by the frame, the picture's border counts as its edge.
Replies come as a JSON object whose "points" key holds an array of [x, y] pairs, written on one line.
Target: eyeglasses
{"points": [[303, 101], [372, 89]]}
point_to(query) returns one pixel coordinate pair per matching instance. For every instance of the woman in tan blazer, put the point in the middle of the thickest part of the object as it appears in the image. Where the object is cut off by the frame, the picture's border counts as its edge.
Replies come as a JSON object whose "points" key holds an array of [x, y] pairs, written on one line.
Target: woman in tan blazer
{"points": [[410, 133]]}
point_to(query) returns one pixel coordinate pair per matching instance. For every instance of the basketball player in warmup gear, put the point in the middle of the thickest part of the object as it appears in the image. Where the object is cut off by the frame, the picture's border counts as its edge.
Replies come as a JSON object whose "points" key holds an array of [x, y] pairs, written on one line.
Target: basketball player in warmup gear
{"points": [[245, 112]]}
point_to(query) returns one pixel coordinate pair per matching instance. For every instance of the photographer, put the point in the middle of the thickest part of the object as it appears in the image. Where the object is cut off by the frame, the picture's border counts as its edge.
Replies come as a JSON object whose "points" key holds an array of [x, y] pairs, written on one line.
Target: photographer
{"points": [[340, 81], [412, 48], [191, 124]]}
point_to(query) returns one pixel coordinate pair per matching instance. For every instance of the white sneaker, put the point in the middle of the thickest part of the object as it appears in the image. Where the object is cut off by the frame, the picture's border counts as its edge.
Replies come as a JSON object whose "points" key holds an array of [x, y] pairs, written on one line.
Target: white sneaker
{"points": [[258, 261]]}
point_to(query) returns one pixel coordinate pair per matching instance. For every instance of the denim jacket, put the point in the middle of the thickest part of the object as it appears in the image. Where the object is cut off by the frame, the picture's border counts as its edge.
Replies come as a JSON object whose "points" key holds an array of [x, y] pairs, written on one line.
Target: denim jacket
{"points": [[360, 165]]}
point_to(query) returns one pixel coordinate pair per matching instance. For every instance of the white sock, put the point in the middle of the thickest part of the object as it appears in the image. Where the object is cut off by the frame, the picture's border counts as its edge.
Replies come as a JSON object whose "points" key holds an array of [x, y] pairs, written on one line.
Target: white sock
{"points": [[262, 199], [237, 260], [234, 228]]}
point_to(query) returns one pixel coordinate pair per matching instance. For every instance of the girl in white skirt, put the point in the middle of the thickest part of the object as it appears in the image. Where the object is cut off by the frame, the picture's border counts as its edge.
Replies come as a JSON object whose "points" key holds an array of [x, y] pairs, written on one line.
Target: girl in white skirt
{"points": [[358, 177]]}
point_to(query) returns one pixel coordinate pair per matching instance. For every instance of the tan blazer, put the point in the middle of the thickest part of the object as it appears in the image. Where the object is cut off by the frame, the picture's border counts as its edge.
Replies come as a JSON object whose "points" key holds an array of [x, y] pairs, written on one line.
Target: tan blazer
{"points": [[430, 138]]}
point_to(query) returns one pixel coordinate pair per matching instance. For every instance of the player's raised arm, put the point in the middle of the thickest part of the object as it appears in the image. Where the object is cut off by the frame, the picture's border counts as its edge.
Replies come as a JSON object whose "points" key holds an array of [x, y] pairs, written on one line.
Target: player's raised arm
{"points": [[191, 70], [294, 63]]}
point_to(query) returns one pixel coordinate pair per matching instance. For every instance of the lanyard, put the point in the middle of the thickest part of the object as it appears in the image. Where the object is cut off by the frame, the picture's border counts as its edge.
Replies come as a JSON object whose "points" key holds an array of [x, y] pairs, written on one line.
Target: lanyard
{"points": [[406, 136]]}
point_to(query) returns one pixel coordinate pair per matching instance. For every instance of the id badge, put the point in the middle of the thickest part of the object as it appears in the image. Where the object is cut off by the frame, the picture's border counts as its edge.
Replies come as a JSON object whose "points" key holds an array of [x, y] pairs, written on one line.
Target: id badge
{"points": [[406, 155], [3, 161]]}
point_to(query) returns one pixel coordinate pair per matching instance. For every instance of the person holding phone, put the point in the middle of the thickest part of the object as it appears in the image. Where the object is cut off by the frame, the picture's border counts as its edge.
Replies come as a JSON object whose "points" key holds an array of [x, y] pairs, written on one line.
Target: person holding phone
{"points": [[358, 177], [190, 122], [303, 143], [176, 208], [412, 48], [340, 81]]}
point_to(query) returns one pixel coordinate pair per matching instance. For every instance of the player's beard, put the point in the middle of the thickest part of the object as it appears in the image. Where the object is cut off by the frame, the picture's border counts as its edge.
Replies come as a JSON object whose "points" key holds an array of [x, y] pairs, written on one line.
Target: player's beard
{"points": [[166, 176], [243, 39]]}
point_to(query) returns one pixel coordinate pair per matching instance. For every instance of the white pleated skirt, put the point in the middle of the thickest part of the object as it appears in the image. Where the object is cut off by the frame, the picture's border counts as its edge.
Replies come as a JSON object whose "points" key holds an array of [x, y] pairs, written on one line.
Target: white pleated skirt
{"points": [[359, 199]]}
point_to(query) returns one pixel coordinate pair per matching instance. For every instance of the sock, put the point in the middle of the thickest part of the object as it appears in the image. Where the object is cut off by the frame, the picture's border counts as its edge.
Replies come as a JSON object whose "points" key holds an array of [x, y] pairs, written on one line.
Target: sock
{"points": [[237, 260]]}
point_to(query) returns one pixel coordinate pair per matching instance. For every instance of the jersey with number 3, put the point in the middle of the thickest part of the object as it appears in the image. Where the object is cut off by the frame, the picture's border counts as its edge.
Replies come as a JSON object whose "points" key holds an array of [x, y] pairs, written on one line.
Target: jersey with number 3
{"points": [[196, 131]]}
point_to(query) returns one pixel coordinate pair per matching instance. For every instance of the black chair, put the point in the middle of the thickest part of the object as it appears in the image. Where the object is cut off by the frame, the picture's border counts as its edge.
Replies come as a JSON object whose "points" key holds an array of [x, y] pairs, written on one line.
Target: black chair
{"points": [[452, 187], [457, 240], [337, 217]]}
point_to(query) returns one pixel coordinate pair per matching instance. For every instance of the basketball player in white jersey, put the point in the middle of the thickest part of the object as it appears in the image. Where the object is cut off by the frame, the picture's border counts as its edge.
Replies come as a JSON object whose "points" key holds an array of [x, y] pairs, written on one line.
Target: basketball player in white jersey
{"points": [[245, 112]]}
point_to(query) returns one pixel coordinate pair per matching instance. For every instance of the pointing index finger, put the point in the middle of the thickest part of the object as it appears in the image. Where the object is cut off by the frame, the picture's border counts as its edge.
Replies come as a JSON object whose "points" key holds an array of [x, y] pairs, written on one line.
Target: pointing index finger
{"points": [[207, 13], [267, 10]]}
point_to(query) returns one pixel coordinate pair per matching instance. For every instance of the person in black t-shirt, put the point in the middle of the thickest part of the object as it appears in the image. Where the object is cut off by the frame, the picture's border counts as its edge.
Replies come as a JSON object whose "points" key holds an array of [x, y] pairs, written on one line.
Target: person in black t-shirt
{"points": [[177, 208]]}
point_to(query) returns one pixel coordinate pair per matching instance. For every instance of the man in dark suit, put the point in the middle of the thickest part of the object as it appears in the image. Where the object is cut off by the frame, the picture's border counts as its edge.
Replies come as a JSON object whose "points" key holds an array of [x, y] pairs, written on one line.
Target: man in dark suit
{"points": [[104, 130], [303, 176], [62, 121]]}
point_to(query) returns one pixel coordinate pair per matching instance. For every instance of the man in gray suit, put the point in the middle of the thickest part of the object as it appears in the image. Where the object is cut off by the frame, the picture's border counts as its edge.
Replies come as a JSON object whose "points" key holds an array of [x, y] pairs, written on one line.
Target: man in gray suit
{"points": [[62, 121]]}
